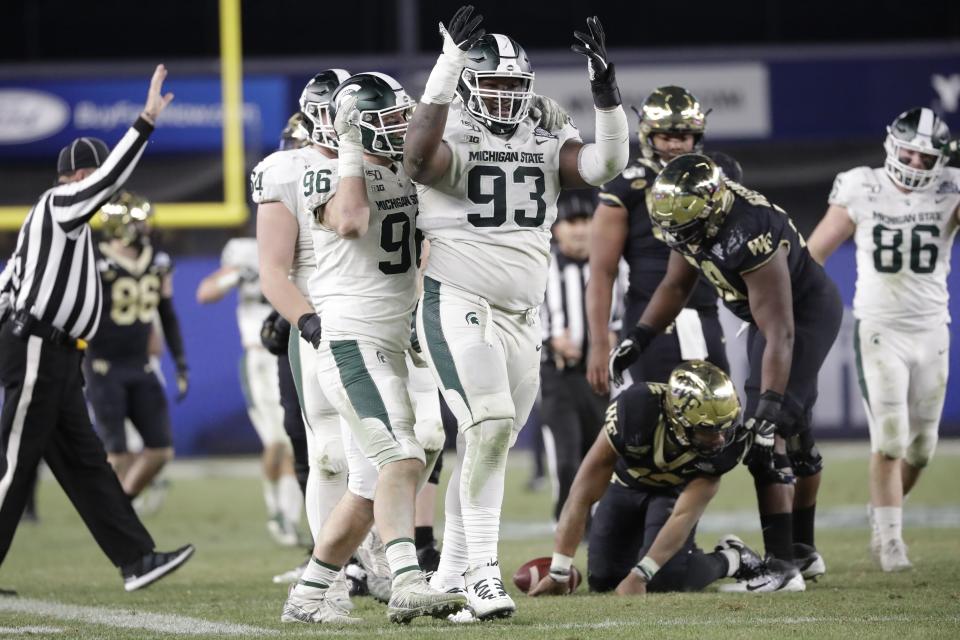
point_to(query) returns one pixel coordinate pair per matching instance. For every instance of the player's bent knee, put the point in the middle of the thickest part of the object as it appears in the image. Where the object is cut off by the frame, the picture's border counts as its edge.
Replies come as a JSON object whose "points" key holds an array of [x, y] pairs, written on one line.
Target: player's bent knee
{"points": [[491, 437], [920, 451], [779, 472], [328, 458], [430, 434]]}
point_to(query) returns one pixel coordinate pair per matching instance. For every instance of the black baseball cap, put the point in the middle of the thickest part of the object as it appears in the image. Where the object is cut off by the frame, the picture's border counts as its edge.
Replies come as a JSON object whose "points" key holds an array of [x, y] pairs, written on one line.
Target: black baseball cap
{"points": [[573, 205], [82, 153]]}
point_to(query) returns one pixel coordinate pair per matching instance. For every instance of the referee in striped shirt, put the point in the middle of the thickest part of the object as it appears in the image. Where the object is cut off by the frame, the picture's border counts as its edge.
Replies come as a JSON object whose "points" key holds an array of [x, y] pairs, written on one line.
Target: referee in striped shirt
{"points": [[53, 297], [572, 413]]}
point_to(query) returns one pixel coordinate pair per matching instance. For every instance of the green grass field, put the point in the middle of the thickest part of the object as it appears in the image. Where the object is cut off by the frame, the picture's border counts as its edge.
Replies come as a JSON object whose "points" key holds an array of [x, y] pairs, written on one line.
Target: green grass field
{"points": [[69, 590]]}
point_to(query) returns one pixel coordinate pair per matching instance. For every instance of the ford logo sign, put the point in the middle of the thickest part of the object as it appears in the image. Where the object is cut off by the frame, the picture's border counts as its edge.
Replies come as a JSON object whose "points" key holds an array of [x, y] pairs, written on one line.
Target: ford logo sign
{"points": [[27, 115]]}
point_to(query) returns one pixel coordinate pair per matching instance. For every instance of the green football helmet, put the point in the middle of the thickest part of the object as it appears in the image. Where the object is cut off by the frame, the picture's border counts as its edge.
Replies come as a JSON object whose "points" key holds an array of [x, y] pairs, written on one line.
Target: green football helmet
{"points": [[919, 130], [496, 56], [690, 201], [385, 111], [314, 99], [701, 404], [670, 109], [127, 218]]}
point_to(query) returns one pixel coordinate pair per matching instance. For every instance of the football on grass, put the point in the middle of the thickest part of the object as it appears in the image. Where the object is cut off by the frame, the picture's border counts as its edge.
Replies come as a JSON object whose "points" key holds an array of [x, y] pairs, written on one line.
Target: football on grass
{"points": [[532, 571]]}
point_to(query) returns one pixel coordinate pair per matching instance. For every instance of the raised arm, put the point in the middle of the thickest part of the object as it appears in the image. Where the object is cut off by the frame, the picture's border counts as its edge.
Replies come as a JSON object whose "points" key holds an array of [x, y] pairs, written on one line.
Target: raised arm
{"points": [[585, 165], [835, 227], [426, 158], [74, 203]]}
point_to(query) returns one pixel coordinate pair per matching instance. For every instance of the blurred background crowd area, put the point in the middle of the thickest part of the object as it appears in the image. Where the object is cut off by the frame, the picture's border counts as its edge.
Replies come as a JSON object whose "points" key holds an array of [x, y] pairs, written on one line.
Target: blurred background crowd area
{"points": [[797, 92]]}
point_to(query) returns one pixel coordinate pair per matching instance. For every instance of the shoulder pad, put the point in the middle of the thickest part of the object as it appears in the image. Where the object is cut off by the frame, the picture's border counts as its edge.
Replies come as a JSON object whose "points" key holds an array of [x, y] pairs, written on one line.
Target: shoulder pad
{"points": [[949, 181]]}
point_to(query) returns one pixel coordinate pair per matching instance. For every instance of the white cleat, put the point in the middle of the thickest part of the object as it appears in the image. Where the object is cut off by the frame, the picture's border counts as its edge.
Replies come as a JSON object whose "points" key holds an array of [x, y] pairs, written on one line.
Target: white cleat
{"points": [[893, 557], [316, 610], [778, 576], [412, 597], [339, 592], [487, 597]]}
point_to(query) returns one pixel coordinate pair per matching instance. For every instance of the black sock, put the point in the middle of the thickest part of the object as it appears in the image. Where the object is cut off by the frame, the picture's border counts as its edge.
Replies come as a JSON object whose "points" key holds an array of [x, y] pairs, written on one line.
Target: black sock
{"points": [[803, 521], [423, 537], [703, 569], [778, 535]]}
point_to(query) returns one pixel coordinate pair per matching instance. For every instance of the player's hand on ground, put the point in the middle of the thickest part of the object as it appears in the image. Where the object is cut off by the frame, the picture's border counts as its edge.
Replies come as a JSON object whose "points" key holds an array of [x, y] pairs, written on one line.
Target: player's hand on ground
{"points": [[632, 585], [347, 121], [552, 116], [603, 79], [462, 32], [156, 100], [549, 587]]}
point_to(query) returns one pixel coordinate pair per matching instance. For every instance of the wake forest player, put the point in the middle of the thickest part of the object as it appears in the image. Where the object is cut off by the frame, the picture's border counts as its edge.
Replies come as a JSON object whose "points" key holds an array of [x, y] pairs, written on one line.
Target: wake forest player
{"points": [[752, 254], [260, 384], [122, 381], [666, 447], [672, 123], [364, 288], [285, 248], [489, 172], [903, 218]]}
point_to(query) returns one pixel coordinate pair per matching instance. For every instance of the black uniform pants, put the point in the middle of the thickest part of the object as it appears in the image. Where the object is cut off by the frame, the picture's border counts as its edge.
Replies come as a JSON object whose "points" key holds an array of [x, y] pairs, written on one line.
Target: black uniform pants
{"points": [[663, 354], [293, 420], [625, 524], [44, 416], [574, 415]]}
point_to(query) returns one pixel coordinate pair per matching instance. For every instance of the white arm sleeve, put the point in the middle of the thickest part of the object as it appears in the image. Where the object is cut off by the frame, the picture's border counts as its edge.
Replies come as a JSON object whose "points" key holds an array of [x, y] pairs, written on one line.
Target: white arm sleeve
{"points": [[601, 161]]}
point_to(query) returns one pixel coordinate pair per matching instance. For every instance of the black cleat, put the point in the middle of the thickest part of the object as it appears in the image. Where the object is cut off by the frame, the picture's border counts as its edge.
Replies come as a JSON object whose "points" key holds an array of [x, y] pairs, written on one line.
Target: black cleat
{"points": [[153, 566]]}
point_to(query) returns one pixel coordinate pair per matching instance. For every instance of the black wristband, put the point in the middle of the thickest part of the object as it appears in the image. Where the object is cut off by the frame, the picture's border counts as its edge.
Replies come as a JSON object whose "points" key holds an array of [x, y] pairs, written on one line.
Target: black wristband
{"points": [[769, 406], [310, 328], [181, 364], [606, 94], [642, 336]]}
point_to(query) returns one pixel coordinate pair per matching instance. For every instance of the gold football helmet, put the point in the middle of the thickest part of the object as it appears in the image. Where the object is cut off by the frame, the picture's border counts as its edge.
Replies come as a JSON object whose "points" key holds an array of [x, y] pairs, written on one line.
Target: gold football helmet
{"points": [[670, 110], [689, 202], [294, 135], [127, 217], [702, 406]]}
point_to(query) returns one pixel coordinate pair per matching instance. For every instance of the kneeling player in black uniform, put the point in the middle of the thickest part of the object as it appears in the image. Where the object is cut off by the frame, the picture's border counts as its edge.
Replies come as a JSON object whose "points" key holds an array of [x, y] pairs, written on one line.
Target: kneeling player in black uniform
{"points": [[758, 262], [672, 123], [666, 447], [122, 382]]}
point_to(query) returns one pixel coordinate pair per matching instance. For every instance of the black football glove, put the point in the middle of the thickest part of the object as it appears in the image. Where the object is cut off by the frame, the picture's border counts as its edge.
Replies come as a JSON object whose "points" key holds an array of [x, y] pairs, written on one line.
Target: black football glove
{"points": [[952, 151], [603, 79], [462, 30], [629, 350], [275, 333], [766, 420], [310, 328]]}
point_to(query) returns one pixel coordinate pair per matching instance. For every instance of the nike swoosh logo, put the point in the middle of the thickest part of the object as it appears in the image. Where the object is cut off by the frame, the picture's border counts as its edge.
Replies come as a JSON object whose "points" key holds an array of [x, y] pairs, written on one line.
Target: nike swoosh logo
{"points": [[540, 142], [751, 587], [539, 346]]}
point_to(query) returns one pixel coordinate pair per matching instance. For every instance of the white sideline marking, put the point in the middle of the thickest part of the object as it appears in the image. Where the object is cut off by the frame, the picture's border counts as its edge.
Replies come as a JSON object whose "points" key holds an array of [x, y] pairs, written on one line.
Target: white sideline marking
{"points": [[127, 618], [18, 631]]}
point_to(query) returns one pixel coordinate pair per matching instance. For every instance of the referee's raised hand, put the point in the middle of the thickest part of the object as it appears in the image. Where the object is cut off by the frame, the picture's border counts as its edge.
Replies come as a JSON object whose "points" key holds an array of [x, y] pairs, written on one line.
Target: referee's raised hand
{"points": [[156, 101]]}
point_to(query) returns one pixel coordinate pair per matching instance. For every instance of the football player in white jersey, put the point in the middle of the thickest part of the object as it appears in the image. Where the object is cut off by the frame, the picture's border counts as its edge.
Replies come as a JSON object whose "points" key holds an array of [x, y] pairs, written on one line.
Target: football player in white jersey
{"points": [[903, 219], [489, 174], [261, 387], [286, 263], [364, 288]]}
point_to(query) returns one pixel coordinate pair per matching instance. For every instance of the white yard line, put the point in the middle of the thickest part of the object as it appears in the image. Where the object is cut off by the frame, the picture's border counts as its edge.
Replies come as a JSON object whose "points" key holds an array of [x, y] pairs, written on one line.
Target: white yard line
{"points": [[127, 618], [28, 631]]}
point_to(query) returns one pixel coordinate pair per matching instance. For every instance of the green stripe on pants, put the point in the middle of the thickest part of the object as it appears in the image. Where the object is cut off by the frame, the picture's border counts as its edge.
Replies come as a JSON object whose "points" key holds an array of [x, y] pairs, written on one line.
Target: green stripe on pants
{"points": [[436, 343], [361, 390]]}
